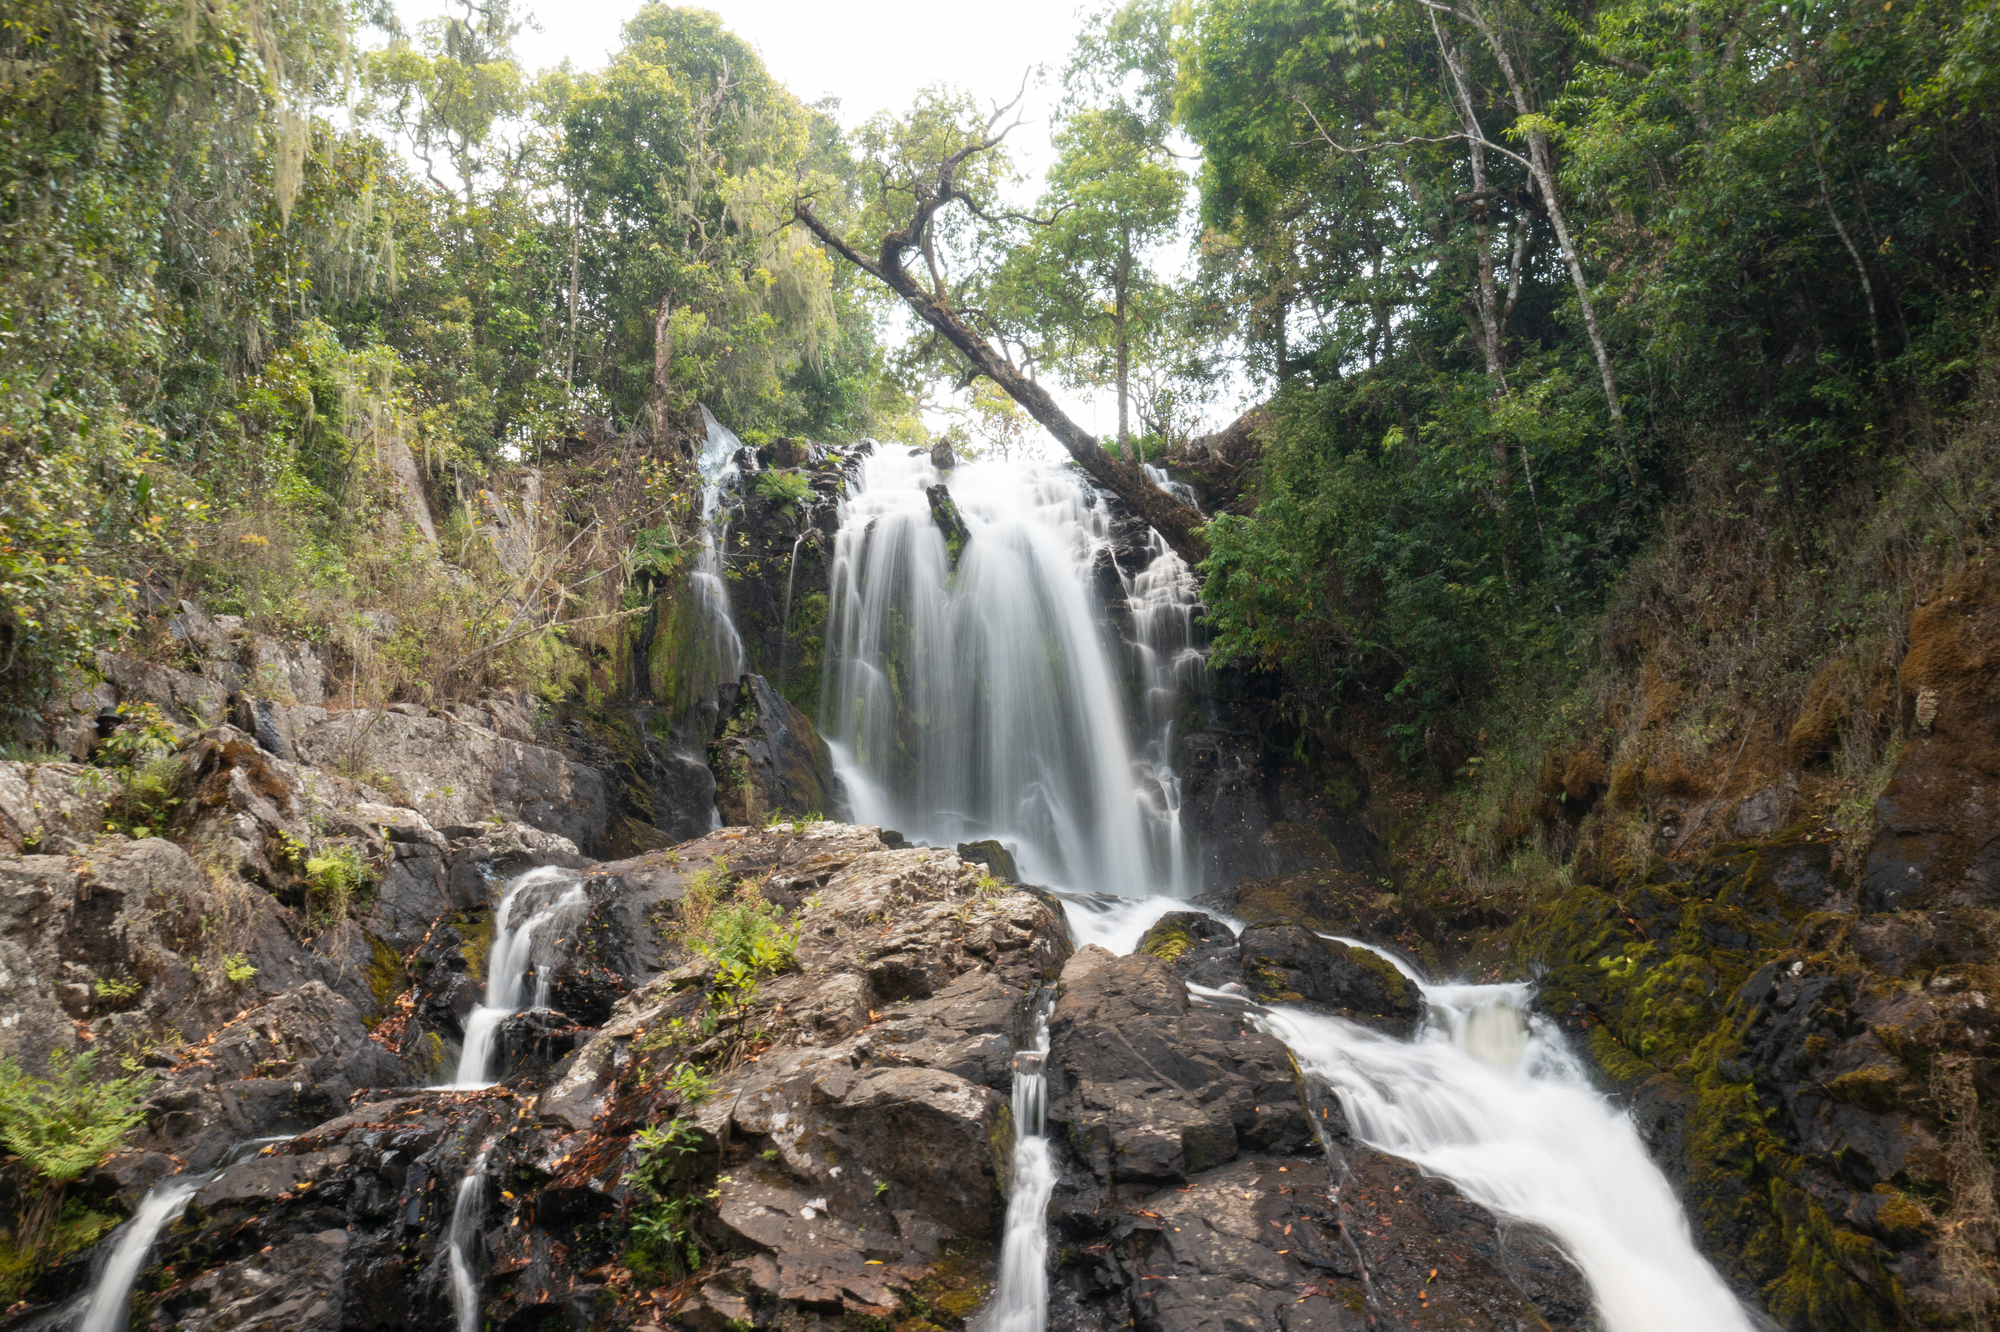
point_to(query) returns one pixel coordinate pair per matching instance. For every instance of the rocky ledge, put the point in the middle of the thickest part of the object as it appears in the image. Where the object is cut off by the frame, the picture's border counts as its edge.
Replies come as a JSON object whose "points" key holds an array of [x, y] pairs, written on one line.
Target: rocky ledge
{"points": [[818, 1141]]}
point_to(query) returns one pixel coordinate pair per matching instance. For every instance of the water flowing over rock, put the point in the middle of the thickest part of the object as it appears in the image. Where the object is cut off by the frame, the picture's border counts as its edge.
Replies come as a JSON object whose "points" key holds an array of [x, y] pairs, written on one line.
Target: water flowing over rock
{"points": [[1025, 735], [802, 1075]]}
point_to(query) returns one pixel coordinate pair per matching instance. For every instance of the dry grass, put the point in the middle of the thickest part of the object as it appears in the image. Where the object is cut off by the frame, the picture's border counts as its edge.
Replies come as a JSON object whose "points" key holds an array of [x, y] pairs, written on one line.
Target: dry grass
{"points": [[529, 583], [1753, 646]]}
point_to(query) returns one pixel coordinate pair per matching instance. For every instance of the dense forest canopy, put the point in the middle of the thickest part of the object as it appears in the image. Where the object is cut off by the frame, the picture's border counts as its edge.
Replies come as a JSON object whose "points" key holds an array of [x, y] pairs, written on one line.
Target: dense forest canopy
{"points": [[1509, 274]]}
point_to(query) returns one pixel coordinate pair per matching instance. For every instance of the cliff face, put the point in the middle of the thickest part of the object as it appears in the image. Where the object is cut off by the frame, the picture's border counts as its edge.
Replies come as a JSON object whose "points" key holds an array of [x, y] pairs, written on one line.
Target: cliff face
{"points": [[1804, 1012]]}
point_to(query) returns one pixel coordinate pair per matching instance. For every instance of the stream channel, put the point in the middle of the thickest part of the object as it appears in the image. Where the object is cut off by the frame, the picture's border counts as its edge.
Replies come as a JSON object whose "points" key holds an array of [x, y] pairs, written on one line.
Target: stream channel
{"points": [[1026, 688], [1011, 661]]}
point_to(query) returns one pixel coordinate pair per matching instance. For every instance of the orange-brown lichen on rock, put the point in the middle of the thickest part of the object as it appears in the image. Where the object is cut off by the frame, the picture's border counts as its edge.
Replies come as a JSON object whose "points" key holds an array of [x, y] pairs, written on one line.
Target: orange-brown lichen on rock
{"points": [[1938, 844]]}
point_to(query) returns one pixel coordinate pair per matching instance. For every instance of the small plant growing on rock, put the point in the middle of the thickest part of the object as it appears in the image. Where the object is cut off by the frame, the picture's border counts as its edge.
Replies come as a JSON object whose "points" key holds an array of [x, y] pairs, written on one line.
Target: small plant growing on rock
{"points": [[61, 1127], [785, 486], [687, 1085], [333, 881], [116, 989], [141, 753]]}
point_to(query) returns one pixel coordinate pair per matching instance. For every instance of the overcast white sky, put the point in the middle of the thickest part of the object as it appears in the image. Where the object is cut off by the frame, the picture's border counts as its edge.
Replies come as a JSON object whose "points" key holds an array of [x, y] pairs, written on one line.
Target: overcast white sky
{"points": [[872, 55]]}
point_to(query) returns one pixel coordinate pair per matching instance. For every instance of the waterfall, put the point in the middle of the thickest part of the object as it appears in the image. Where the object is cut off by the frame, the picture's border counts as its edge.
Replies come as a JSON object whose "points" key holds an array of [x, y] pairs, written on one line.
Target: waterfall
{"points": [[518, 949], [719, 476], [108, 1304], [467, 1212], [1490, 1098], [110, 1297], [1021, 1301], [985, 700]]}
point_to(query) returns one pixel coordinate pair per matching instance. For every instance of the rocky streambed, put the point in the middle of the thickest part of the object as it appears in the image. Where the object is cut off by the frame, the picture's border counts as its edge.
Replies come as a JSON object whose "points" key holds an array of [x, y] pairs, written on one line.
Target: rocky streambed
{"points": [[826, 1144]]}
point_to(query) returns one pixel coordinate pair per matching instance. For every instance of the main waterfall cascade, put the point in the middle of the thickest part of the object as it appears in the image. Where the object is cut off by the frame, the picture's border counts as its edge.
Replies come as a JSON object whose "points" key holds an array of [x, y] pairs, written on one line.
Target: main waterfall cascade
{"points": [[984, 700], [977, 692]]}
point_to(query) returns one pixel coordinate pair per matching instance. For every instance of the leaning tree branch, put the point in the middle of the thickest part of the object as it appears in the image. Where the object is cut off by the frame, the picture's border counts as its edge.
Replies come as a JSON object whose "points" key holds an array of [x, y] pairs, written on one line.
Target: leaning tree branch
{"points": [[1178, 525]]}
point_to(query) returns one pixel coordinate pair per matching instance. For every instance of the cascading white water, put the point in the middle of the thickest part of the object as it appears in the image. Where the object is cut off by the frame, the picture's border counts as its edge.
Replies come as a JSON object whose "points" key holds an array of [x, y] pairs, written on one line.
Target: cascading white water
{"points": [[1491, 1099], [719, 476], [108, 1304], [1021, 1301], [985, 701], [109, 1300], [523, 941], [1165, 597], [467, 1212]]}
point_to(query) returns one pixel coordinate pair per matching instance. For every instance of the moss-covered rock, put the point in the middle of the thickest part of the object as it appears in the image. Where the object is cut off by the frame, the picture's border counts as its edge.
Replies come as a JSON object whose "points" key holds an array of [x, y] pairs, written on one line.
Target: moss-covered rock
{"points": [[1790, 1066]]}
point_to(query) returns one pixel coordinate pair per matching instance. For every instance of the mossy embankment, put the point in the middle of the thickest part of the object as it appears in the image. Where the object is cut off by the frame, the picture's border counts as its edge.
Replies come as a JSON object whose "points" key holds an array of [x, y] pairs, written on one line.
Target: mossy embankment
{"points": [[1736, 831]]}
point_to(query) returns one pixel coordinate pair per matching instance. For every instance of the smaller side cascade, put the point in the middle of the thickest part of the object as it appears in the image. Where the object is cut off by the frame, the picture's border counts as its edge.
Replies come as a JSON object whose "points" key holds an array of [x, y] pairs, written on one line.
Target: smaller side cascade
{"points": [[108, 1305], [521, 947], [1021, 1302], [466, 1215]]}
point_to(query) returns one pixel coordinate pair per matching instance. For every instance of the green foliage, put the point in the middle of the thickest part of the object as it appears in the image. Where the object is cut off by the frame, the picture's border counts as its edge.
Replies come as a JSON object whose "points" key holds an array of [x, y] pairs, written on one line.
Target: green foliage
{"points": [[240, 347], [334, 879], [115, 988], [784, 485], [148, 772], [1773, 250], [1084, 282], [62, 1126], [662, 1237]]}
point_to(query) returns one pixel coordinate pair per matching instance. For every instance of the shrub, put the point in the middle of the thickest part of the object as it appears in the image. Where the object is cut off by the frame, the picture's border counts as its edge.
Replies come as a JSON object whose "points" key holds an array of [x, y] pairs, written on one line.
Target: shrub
{"points": [[60, 1127], [333, 880], [786, 487]]}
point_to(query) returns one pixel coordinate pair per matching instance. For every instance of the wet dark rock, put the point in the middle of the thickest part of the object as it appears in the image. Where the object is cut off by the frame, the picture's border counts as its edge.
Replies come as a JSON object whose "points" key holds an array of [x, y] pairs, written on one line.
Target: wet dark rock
{"points": [[1172, 1219], [994, 856], [276, 1069], [769, 760], [1287, 964], [1144, 1087], [944, 512], [1198, 946], [780, 567], [526, 1042]]}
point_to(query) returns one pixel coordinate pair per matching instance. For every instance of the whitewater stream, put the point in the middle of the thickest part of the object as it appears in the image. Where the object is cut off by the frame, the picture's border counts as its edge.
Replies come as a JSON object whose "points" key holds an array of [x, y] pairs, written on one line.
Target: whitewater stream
{"points": [[107, 1305], [1021, 1300], [527, 925], [997, 699]]}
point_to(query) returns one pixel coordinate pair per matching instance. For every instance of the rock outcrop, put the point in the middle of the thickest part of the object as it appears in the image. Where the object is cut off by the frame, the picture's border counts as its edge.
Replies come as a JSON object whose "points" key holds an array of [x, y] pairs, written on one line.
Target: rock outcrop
{"points": [[768, 760], [1206, 1187]]}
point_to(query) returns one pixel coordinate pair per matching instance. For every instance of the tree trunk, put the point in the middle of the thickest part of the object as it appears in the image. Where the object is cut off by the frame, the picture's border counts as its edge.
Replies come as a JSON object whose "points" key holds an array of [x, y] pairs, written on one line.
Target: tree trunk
{"points": [[663, 370], [1486, 301], [1542, 167], [575, 257], [1178, 525]]}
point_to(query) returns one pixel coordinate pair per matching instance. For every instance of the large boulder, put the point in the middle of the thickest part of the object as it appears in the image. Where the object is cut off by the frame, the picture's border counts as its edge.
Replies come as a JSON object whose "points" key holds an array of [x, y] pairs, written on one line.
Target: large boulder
{"points": [[1287, 964], [51, 808], [1203, 1186], [455, 771], [279, 1068], [1201, 948], [1147, 1088], [769, 760]]}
